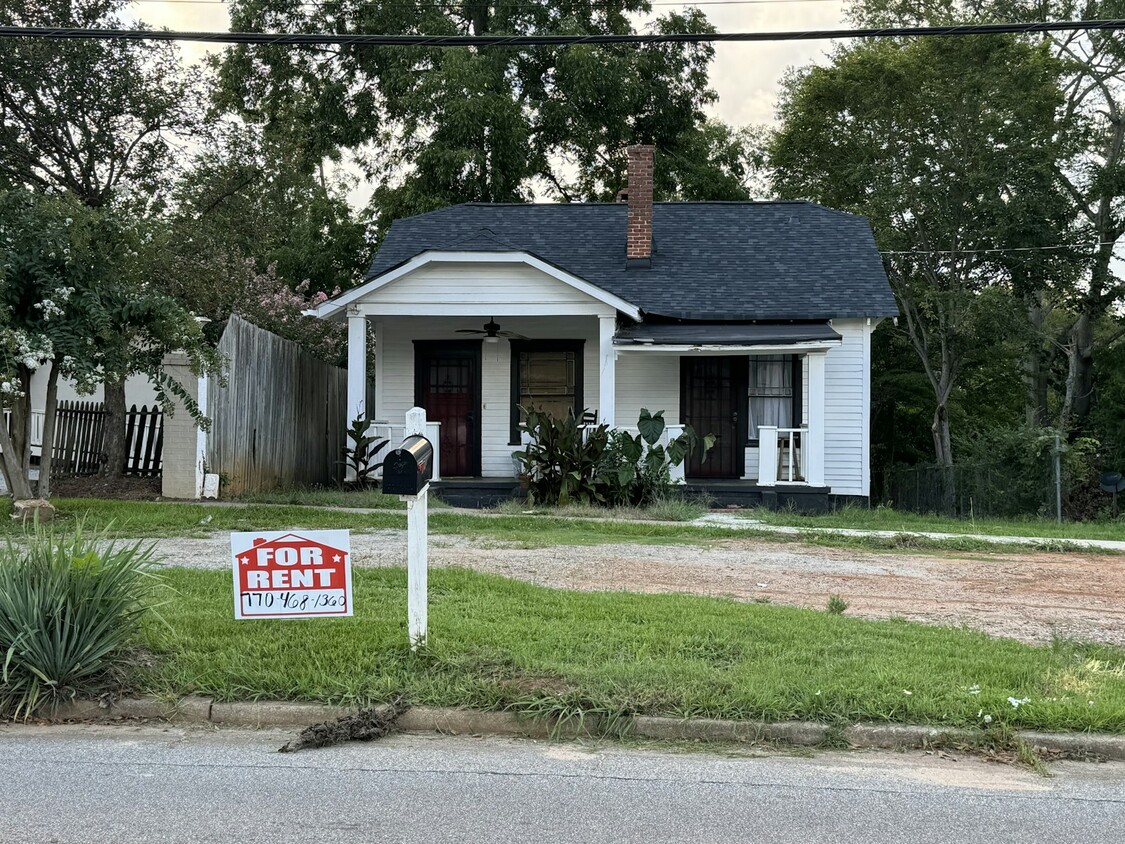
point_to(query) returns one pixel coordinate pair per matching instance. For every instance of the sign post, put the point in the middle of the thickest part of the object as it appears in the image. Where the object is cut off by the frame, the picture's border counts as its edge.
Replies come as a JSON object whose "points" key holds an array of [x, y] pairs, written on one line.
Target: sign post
{"points": [[281, 574], [417, 540]]}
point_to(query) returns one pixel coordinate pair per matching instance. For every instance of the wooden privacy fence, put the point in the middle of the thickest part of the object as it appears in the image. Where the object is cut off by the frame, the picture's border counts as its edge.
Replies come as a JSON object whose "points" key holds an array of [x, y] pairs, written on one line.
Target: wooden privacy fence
{"points": [[279, 420], [79, 447]]}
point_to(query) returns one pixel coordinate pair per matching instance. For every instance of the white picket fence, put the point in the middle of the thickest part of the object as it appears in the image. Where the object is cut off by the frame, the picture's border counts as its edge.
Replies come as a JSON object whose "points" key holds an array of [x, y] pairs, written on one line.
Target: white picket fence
{"points": [[36, 429]]}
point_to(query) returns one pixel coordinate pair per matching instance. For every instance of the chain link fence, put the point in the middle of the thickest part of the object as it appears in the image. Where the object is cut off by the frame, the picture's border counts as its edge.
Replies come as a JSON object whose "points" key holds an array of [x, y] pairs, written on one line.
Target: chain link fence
{"points": [[998, 490]]}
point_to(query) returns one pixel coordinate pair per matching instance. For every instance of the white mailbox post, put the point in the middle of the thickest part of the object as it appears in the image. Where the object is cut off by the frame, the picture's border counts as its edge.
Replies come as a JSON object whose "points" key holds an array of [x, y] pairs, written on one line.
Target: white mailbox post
{"points": [[417, 543]]}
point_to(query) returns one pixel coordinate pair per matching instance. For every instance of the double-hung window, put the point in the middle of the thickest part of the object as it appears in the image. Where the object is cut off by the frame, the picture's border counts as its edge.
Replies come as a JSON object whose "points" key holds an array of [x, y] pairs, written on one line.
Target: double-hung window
{"points": [[774, 394]]}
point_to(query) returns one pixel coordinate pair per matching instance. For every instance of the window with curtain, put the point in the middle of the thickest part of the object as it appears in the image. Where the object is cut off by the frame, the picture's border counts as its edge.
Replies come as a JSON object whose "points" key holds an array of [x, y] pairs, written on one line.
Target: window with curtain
{"points": [[546, 377], [772, 392]]}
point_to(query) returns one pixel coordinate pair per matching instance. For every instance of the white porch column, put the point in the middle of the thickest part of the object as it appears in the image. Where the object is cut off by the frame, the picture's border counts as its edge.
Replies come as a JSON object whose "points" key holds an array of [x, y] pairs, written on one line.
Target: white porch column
{"points": [[357, 365], [815, 446], [607, 393]]}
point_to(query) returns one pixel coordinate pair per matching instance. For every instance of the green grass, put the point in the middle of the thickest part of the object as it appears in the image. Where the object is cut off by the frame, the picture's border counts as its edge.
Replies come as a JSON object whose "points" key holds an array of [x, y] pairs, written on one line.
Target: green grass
{"points": [[323, 497], [666, 510], [541, 531], [497, 643], [885, 518], [151, 519]]}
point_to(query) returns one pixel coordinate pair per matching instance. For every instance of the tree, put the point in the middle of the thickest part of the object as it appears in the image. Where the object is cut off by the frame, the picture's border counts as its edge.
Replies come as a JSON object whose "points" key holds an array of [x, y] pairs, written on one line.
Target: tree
{"points": [[99, 119], [88, 116], [72, 295], [1093, 174], [948, 146], [432, 126], [244, 198]]}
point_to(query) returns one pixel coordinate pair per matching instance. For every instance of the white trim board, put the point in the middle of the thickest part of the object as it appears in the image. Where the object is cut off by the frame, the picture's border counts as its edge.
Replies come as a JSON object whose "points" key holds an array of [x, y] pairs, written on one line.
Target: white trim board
{"points": [[655, 349], [335, 307]]}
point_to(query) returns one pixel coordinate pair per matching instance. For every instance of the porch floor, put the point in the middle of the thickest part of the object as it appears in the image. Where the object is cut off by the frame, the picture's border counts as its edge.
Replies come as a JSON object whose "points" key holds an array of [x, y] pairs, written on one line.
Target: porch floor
{"points": [[488, 492]]}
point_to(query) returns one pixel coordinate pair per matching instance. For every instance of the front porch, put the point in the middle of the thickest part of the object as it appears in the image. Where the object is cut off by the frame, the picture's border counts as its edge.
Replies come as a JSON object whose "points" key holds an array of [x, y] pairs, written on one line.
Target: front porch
{"points": [[472, 337], [765, 406]]}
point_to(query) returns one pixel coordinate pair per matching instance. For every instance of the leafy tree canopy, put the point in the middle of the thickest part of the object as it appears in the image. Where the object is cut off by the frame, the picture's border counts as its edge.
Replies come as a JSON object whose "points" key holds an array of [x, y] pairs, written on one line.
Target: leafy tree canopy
{"points": [[243, 199], [89, 116], [438, 126], [950, 147], [74, 292]]}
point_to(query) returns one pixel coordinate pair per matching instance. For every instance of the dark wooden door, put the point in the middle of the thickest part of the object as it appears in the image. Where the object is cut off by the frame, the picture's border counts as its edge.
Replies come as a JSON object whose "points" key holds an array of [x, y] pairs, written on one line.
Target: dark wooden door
{"points": [[713, 401], [447, 385]]}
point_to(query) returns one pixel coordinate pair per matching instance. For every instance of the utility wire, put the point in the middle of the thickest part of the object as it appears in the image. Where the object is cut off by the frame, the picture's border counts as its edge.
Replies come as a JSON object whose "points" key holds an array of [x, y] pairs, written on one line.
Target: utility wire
{"points": [[370, 40], [436, 4], [993, 251]]}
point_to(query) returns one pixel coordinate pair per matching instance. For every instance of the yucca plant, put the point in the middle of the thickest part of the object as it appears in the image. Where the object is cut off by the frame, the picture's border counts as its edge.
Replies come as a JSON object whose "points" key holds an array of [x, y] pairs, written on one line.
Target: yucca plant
{"points": [[70, 603]]}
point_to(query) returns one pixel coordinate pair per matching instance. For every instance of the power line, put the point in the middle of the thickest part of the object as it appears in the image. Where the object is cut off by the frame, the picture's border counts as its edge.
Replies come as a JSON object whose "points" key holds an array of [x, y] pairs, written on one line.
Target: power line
{"points": [[993, 251], [370, 40], [422, 4]]}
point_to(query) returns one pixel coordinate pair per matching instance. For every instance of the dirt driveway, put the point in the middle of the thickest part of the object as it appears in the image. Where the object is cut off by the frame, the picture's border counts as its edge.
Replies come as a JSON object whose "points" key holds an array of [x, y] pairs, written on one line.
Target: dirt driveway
{"points": [[1027, 596]]}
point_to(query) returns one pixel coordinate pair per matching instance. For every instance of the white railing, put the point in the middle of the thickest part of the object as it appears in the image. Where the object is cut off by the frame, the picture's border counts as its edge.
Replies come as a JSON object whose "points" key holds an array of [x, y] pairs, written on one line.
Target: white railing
{"points": [[36, 429], [782, 455], [396, 432]]}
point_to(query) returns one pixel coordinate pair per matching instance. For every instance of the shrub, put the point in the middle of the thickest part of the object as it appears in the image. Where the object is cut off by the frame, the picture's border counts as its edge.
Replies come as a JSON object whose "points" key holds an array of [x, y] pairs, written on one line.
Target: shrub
{"points": [[560, 464], [567, 464], [836, 605], [637, 469], [69, 606]]}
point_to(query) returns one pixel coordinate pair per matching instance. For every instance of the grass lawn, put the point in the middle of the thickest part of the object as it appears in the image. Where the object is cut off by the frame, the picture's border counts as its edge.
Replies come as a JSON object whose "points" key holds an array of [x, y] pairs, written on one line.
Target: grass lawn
{"points": [[324, 497], [884, 518], [498, 643], [152, 519]]}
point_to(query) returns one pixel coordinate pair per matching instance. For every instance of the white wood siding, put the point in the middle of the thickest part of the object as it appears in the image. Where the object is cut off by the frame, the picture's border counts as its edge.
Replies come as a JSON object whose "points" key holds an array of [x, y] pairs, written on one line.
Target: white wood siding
{"points": [[647, 380], [846, 377], [396, 350], [502, 287]]}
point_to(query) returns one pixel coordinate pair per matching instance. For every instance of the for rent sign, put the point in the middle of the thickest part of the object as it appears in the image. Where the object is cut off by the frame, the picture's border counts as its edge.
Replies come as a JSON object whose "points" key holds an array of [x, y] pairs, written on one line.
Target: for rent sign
{"points": [[278, 574]]}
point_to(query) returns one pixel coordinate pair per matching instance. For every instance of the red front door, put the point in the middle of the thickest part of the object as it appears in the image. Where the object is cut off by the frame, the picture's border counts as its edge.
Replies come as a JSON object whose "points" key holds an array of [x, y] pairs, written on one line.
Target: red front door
{"points": [[447, 385]]}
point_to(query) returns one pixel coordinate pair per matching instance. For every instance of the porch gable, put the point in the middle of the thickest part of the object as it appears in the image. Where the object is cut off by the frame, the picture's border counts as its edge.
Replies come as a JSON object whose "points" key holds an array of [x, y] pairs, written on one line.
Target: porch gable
{"points": [[445, 283]]}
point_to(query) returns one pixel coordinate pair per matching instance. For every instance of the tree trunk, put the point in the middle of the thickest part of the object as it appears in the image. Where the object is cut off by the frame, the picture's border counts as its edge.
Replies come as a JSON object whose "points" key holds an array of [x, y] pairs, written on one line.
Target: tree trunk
{"points": [[1080, 374], [14, 469], [1084, 370], [1034, 374], [50, 413], [21, 420], [943, 448], [113, 443]]}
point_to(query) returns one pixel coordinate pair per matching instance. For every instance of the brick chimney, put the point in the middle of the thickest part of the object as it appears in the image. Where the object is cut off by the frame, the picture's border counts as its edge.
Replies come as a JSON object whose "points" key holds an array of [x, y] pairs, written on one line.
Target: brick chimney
{"points": [[638, 244]]}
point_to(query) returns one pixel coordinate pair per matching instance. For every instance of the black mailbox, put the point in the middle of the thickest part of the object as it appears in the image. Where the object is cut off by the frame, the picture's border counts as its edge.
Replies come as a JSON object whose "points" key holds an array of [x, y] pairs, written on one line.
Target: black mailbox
{"points": [[409, 467]]}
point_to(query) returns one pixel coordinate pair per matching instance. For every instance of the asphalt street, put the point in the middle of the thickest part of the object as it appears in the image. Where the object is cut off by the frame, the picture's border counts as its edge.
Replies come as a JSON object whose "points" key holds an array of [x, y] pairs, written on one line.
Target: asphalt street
{"points": [[147, 784]]}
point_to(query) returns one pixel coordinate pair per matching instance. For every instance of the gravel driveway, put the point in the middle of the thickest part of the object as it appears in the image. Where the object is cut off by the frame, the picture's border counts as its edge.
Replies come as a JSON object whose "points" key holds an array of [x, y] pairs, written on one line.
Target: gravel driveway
{"points": [[1027, 596]]}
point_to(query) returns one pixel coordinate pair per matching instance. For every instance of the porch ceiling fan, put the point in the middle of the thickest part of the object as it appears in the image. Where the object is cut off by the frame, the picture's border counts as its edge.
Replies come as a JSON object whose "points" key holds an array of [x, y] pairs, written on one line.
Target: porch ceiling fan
{"points": [[491, 332]]}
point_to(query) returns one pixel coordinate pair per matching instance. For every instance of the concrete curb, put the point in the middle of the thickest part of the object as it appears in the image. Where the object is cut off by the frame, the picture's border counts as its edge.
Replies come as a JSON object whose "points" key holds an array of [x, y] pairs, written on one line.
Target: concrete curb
{"points": [[470, 722]]}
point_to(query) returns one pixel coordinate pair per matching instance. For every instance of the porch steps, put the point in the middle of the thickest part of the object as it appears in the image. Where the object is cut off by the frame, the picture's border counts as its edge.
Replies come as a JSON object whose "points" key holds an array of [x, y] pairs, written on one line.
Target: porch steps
{"points": [[477, 493]]}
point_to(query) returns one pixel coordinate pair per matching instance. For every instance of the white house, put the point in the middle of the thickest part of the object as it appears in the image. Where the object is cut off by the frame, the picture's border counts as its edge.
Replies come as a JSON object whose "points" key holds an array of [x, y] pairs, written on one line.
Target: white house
{"points": [[751, 321]]}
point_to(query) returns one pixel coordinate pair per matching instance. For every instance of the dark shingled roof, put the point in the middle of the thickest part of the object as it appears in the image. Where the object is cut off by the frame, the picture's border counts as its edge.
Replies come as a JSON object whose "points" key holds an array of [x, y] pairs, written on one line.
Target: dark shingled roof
{"points": [[723, 334], [711, 260]]}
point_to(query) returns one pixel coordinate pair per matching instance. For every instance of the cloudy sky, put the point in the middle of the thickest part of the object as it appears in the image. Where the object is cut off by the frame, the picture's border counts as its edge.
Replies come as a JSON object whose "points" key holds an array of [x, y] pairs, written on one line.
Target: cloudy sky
{"points": [[745, 75]]}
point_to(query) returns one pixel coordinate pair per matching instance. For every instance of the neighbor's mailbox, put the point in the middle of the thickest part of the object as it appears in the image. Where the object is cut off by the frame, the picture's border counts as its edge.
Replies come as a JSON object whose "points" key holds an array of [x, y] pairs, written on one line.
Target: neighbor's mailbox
{"points": [[408, 468]]}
